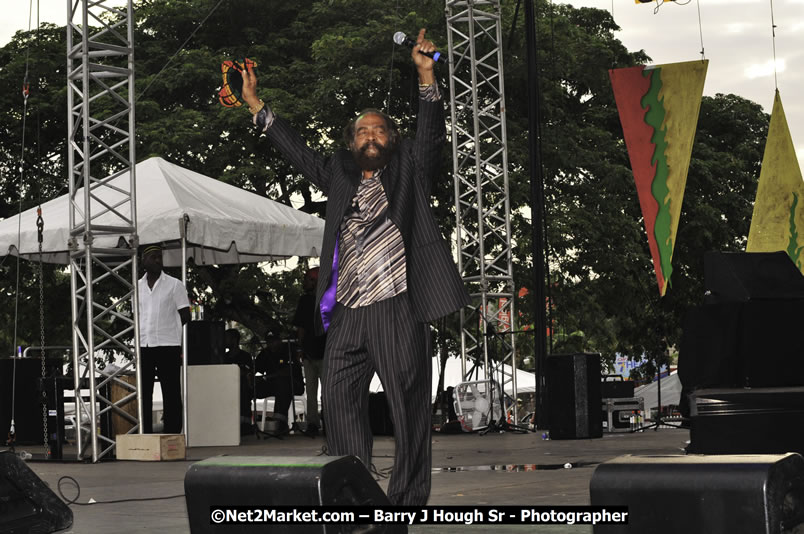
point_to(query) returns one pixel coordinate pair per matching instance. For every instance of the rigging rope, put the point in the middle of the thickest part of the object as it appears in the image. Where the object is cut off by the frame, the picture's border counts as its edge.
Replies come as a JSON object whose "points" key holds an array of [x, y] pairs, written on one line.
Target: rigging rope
{"points": [[773, 30], [40, 226], [660, 3], [20, 193], [700, 29]]}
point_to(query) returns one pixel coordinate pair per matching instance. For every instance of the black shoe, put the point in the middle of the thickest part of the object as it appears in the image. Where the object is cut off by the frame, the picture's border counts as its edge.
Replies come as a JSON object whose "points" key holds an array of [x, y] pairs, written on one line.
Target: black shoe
{"points": [[311, 430]]}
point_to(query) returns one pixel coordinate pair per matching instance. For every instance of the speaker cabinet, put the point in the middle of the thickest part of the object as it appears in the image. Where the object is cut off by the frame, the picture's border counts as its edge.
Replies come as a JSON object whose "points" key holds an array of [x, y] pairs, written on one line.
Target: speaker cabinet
{"points": [[205, 343], [752, 344], [744, 276], [27, 506], [614, 387], [747, 421], [28, 399], [573, 396], [280, 481], [751, 494]]}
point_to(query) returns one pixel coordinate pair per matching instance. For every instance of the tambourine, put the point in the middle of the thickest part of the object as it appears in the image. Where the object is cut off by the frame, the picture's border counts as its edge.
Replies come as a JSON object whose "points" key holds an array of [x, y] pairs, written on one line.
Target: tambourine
{"points": [[230, 94]]}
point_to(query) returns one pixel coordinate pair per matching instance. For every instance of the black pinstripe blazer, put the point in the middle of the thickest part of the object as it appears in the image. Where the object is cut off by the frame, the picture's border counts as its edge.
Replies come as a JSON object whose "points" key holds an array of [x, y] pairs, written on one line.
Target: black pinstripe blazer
{"points": [[434, 286]]}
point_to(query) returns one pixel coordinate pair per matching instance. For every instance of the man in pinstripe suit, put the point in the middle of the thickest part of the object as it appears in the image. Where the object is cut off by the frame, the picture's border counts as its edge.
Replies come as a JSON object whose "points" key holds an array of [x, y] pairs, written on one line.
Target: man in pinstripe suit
{"points": [[385, 272]]}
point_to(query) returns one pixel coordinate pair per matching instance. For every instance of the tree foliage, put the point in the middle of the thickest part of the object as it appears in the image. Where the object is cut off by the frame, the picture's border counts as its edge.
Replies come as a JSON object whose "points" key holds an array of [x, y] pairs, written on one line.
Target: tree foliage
{"points": [[322, 61]]}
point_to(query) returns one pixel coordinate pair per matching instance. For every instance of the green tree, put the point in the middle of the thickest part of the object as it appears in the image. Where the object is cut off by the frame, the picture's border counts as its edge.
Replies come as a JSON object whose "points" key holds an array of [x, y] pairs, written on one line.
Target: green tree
{"points": [[602, 278], [319, 63]]}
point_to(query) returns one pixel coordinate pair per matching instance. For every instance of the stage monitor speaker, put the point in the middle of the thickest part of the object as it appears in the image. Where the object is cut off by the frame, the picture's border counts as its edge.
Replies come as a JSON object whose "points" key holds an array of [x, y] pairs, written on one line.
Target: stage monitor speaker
{"points": [[205, 343], [265, 481], [751, 494], [27, 505], [774, 418], [743, 276], [573, 396]]}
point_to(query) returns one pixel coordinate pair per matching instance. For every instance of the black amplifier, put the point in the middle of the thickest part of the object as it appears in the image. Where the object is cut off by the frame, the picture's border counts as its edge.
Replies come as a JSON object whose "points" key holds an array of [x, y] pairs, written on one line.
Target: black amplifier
{"points": [[614, 387], [747, 421]]}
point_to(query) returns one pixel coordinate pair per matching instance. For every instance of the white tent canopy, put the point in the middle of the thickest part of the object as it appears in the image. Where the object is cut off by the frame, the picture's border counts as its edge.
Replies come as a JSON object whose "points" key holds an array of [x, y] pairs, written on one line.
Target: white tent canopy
{"points": [[224, 224], [671, 392]]}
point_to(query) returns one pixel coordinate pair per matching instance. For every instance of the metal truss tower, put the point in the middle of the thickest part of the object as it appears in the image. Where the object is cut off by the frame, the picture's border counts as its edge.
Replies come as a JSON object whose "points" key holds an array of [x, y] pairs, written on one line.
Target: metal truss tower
{"points": [[102, 213], [480, 166]]}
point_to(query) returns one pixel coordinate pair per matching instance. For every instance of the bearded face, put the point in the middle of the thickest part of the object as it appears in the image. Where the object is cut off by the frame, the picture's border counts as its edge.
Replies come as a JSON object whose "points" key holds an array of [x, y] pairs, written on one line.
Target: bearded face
{"points": [[372, 147]]}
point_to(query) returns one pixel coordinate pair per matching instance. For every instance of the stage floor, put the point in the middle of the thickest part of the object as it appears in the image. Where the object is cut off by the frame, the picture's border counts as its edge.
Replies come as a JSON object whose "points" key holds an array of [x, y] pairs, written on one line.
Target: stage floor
{"points": [[468, 469]]}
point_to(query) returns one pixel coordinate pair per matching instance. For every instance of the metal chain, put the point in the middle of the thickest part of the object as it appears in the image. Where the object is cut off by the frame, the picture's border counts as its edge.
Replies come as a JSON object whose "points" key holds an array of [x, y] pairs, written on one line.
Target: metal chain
{"points": [[40, 226]]}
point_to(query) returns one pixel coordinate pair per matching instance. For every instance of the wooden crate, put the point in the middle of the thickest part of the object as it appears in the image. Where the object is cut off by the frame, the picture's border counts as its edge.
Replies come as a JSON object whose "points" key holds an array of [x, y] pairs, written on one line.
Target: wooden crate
{"points": [[120, 424], [151, 447]]}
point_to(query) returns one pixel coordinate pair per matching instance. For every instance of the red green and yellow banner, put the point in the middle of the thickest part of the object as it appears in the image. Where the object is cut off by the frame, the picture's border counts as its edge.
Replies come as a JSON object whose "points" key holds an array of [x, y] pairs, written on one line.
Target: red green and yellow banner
{"points": [[778, 220], [658, 108]]}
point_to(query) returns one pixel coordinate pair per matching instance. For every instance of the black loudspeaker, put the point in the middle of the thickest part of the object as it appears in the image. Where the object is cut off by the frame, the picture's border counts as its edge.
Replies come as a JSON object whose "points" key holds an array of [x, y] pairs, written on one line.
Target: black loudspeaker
{"points": [[205, 343], [747, 331], [280, 481], [702, 494], [27, 506], [573, 396], [614, 387], [747, 421], [747, 344], [743, 276], [28, 398]]}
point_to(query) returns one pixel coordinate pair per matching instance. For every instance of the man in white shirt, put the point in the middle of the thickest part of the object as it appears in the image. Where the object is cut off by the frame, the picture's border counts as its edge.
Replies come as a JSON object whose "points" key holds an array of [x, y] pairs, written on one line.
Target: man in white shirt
{"points": [[164, 308]]}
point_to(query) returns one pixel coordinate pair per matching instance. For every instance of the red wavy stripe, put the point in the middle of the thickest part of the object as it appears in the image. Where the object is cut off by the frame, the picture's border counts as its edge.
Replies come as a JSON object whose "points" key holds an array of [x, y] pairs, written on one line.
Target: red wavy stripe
{"points": [[630, 85]]}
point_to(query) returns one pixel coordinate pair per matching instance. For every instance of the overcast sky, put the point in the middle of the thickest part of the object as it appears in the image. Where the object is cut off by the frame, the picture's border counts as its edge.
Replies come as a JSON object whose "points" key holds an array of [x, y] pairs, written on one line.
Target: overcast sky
{"points": [[737, 39]]}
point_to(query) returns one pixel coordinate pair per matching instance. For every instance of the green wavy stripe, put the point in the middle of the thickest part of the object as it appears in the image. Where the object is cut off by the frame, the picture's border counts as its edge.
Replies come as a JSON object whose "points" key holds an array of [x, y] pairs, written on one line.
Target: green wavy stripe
{"points": [[793, 250], [654, 118]]}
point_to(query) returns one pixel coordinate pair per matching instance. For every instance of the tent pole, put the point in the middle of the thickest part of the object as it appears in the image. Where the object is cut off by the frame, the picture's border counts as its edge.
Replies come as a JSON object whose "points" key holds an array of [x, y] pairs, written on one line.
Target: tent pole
{"points": [[183, 232]]}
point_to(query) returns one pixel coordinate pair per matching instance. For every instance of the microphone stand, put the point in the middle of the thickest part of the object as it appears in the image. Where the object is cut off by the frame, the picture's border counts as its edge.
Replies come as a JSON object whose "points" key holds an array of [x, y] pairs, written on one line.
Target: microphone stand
{"points": [[293, 426], [658, 422], [503, 425], [254, 427]]}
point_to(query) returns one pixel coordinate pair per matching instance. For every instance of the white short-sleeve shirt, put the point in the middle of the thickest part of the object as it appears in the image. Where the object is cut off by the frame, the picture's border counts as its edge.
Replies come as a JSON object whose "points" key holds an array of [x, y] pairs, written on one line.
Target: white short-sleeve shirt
{"points": [[160, 324]]}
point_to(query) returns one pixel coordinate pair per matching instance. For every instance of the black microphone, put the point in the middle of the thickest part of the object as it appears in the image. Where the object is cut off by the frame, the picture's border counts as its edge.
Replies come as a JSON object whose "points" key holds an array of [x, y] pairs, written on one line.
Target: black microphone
{"points": [[402, 39]]}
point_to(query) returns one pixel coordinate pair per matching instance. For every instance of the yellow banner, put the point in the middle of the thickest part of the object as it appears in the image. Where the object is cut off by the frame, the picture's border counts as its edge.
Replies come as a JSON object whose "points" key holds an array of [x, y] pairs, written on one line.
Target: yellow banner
{"points": [[778, 219]]}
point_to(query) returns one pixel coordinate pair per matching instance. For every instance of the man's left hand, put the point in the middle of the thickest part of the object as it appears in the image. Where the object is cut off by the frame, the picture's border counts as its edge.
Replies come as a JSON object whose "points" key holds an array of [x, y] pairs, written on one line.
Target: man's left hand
{"points": [[424, 64]]}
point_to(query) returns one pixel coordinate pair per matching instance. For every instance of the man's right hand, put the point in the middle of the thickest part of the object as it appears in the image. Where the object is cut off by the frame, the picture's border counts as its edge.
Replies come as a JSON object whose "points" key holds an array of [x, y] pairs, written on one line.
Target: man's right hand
{"points": [[249, 91]]}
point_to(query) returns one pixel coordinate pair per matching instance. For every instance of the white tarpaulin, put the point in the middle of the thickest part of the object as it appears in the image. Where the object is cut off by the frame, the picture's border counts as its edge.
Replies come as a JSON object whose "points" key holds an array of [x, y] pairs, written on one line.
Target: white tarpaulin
{"points": [[224, 224], [671, 392], [525, 381]]}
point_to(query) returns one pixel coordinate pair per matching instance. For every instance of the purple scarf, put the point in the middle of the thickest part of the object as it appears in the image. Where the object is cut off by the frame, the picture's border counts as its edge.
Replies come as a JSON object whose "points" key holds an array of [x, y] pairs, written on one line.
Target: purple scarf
{"points": [[328, 298]]}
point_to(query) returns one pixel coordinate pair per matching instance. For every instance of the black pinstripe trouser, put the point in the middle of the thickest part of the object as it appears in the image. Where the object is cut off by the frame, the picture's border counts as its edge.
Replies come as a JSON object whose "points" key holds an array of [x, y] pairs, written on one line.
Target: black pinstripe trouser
{"points": [[383, 337]]}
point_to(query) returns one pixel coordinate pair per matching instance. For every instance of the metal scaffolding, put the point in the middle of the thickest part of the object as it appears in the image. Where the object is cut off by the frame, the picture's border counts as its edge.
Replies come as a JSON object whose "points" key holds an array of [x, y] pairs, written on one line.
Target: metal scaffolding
{"points": [[480, 166], [100, 101]]}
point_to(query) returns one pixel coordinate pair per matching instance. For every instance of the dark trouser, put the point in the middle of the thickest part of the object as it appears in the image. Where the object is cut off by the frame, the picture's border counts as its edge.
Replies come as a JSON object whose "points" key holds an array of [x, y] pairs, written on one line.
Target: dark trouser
{"points": [[385, 338], [313, 371], [165, 362], [281, 388], [245, 395]]}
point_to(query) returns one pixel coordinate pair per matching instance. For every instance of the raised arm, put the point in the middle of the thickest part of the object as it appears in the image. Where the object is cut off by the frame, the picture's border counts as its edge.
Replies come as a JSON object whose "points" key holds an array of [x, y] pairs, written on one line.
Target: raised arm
{"points": [[430, 129], [293, 147]]}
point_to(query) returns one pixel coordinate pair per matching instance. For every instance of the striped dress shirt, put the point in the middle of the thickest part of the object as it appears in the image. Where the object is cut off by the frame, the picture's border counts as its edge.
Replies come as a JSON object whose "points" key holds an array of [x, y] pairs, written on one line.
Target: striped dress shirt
{"points": [[372, 262]]}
